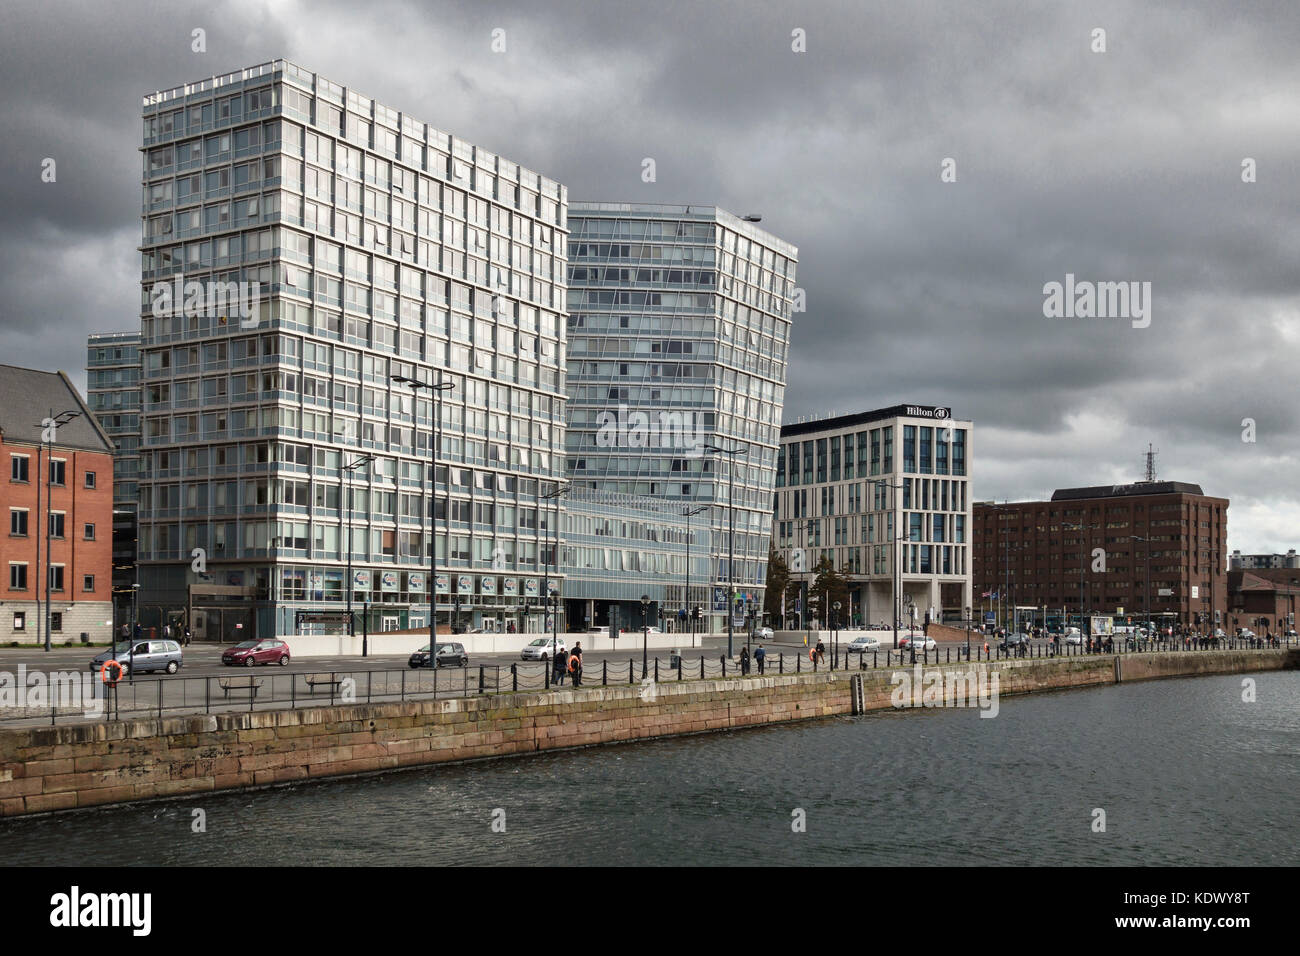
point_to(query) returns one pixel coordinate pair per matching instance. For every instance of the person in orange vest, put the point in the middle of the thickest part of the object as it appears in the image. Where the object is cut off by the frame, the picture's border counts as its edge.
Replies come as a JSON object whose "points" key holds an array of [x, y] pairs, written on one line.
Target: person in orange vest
{"points": [[575, 665]]}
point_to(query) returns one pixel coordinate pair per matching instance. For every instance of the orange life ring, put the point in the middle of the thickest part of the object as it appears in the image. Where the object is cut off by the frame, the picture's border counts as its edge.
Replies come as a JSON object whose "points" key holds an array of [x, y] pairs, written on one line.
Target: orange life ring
{"points": [[812, 653], [103, 673]]}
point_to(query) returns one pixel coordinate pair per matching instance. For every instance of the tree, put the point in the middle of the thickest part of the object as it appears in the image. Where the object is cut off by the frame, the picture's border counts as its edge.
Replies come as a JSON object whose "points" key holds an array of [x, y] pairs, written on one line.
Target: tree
{"points": [[829, 586], [778, 581]]}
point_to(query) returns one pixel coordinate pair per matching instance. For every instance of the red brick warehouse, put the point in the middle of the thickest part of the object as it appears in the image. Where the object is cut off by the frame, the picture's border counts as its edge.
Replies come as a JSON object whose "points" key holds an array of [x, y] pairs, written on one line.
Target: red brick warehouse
{"points": [[56, 500]]}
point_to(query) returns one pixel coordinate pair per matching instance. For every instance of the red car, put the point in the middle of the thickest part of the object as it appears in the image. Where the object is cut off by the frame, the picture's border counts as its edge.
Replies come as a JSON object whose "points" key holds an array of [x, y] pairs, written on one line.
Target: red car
{"points": [[248, 653]]}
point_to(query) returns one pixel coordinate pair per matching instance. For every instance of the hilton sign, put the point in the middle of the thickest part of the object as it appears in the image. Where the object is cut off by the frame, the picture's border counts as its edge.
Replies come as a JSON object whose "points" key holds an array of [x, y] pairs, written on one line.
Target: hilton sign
{"points": [[927, 411]]}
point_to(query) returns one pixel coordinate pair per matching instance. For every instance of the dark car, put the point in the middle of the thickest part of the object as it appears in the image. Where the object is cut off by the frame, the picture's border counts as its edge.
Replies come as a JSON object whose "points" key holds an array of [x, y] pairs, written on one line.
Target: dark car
{"points": [[1013, 641], [248, 653], [450, 654]]}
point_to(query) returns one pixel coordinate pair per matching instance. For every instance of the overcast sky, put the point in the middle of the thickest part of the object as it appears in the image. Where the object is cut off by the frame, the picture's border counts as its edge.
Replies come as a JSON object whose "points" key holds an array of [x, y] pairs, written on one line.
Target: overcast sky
{"points": [[1123, 165]]}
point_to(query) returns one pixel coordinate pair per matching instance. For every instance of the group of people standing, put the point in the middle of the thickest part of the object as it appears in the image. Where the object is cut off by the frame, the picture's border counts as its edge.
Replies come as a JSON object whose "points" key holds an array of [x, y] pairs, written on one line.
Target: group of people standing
{"points": [[570, 663]]}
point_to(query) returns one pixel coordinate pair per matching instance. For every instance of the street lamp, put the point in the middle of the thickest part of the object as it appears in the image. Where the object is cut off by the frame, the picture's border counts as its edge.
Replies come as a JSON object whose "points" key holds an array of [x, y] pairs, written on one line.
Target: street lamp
{"points": [[731, 537], [560, 489], [645, 633], [896, 559], [351, 469], [437, 388], [48, 429], [135, 589], [1147, 598], [686, 601], [1083, 544], [968, 623], [835, 636]]}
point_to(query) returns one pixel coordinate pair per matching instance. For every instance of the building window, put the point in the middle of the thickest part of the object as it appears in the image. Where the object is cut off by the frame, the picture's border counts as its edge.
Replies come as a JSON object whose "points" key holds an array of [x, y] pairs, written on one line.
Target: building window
{"points": [[18, 468], [88, 583], [56, 524], [56, 621], [56, 577], [20, 620], [90, 532], [18, 522], [57, 470], [90, 479], [18, 577]]}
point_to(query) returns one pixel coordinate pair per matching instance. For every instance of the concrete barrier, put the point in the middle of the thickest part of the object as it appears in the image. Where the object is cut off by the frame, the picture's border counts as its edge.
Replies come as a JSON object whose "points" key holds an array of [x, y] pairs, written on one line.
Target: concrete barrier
{"points": [[389, 643]]}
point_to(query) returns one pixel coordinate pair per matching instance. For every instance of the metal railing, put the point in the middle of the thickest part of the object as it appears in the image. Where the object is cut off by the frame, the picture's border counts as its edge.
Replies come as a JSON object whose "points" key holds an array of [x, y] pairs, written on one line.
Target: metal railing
{"points": [[248, 690]]}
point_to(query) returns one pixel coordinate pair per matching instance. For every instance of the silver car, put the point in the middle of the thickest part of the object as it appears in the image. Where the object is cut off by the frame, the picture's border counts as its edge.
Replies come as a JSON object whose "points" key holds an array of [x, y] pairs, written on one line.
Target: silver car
{"points": [[143, 656], [540, 649]]}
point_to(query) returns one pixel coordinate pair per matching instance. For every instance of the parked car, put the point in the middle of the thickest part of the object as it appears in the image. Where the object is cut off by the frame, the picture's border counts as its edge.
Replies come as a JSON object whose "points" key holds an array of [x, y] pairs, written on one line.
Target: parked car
{"points": [[248, 653], [1245, 633], [1014, 640], [538, 650], [1073, 636], [862, 645], [144, 656], [450, 654], [763, 634], [922, 642]]}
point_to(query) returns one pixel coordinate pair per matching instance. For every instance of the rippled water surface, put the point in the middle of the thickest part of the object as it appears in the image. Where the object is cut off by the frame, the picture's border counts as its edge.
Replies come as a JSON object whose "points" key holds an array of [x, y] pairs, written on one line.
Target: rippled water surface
{"points": [[1186, 772]]}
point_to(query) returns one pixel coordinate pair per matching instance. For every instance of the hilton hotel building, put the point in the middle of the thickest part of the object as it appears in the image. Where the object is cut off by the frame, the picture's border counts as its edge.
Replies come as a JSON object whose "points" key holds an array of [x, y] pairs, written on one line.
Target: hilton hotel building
{"points": [[870, 489]]}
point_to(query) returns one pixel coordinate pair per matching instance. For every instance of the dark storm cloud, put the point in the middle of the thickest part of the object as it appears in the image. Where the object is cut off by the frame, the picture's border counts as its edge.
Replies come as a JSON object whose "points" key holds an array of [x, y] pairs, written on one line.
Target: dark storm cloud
{"points": [[1117, 166]]}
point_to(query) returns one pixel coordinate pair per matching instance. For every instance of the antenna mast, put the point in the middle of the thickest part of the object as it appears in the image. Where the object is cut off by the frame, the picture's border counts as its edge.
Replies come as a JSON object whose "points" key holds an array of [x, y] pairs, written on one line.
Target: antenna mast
{"points": [[1151, 462]]}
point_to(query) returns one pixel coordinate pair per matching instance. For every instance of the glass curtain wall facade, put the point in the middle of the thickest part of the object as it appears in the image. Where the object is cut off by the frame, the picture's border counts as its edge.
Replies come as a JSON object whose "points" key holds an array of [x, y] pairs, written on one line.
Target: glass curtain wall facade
{"points": [[113, 394], [849, 488], [618, 547], [380, 247], [679, 332]]}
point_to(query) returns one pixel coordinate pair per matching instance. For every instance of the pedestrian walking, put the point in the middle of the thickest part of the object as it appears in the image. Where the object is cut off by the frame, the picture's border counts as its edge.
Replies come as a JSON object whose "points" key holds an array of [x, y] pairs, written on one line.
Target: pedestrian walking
{"points": [[759, 656], [188, 638], [744, 661], [821, 652], [561, 666]]}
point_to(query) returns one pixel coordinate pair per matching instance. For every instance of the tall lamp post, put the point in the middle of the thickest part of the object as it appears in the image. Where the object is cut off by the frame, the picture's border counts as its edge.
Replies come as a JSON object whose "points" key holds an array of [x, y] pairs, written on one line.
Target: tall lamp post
{"points": [[1083, 544], [835, 636], [896, 558], [1147, 598], [731, 537], [48, 428], [686, 600], [437, 387], [645, 633], [560, 489], [351, 469], [968, 624]]}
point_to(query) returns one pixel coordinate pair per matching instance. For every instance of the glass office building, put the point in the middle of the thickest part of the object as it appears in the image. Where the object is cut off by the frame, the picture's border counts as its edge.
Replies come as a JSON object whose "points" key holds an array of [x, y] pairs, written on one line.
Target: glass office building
{"points": [[885, 496], [355, 244], [113, 394], [679, 332]]}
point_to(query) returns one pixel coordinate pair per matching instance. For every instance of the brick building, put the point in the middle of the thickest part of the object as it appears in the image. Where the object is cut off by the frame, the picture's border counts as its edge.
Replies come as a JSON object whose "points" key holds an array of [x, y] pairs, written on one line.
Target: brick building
{"points": [[57, 504], [1049, 554], [1263, 599]]}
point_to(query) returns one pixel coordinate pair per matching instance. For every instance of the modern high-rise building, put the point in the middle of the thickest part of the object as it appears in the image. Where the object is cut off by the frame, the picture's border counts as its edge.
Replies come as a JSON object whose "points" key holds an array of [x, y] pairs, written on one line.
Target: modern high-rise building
{"points": [[885, 496], [113, 394], [306, 254], [679, 332]]}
